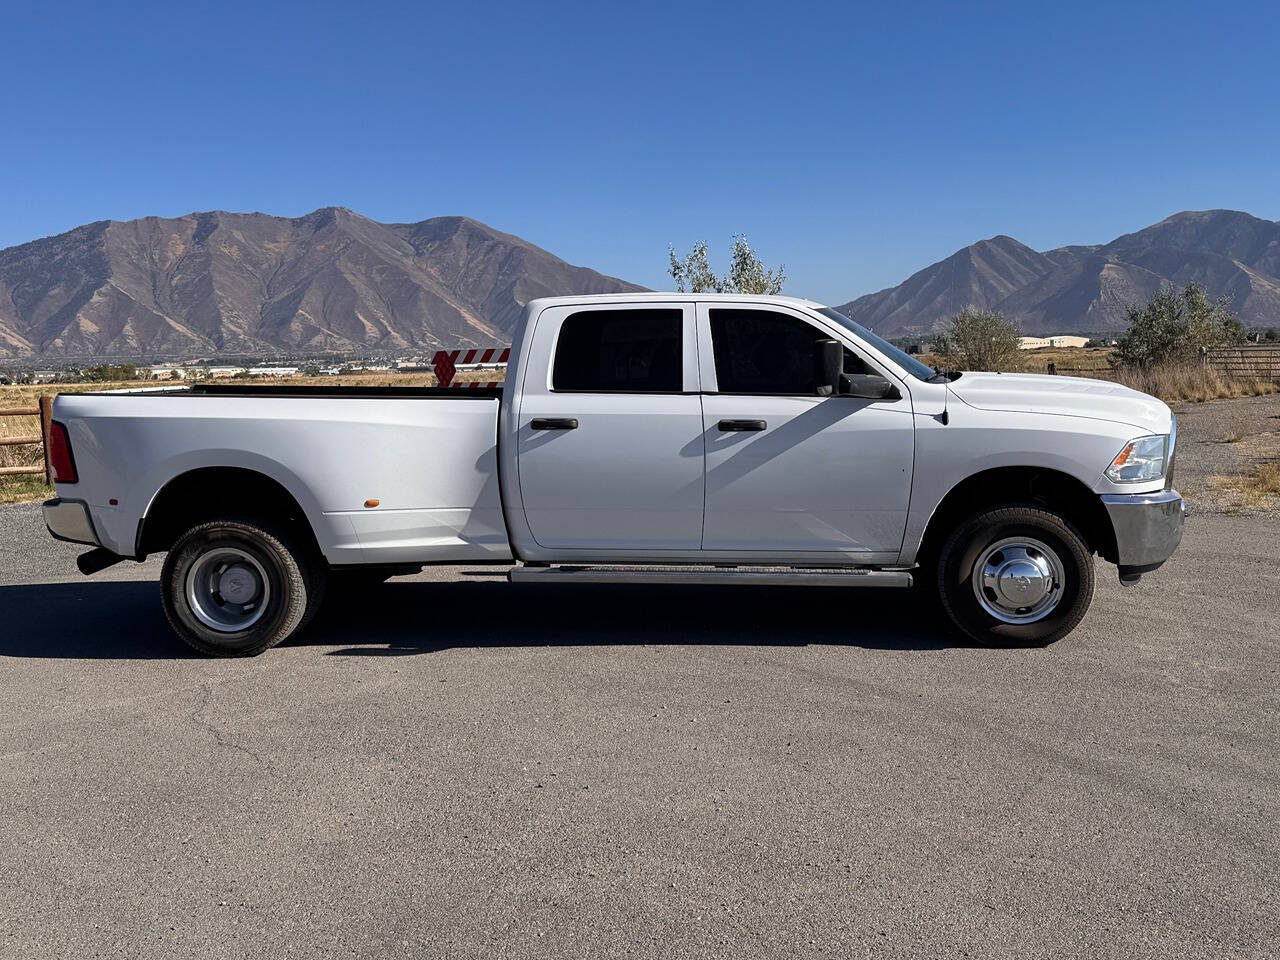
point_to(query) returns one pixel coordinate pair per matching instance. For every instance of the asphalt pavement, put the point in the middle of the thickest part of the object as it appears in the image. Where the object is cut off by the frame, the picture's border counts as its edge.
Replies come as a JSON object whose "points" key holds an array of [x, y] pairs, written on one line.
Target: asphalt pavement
{"points": [[453, 766]]}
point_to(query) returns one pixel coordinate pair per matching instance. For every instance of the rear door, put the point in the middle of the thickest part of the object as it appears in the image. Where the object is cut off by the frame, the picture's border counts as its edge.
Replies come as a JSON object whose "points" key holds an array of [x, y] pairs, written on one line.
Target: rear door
{"points": [[610, 431], [789, 471]]}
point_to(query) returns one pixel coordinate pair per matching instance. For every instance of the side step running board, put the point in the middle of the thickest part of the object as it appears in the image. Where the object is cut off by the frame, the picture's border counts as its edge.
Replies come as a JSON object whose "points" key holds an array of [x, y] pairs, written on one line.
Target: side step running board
{"points": [[810, 576]]}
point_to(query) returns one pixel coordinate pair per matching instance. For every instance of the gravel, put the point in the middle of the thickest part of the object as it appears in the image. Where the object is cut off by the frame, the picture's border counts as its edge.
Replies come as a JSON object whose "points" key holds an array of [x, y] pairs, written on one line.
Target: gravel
{"points": [[1222, 439]]}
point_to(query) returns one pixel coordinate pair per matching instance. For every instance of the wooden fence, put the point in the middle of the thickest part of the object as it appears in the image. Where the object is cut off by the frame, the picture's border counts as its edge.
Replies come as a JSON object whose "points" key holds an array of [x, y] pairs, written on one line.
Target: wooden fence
{"points": [[41, 411], [1250, 361]]}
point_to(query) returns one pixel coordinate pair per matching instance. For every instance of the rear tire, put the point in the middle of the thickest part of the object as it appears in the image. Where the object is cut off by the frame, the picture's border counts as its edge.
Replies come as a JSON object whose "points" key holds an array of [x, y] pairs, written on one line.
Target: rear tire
{"points": [[1015, 576], [234, 588]]}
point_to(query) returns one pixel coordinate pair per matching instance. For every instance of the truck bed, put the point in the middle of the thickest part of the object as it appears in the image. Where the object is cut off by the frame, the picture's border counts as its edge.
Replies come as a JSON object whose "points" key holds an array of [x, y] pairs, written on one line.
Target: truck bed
{"points": [[381, 480]]}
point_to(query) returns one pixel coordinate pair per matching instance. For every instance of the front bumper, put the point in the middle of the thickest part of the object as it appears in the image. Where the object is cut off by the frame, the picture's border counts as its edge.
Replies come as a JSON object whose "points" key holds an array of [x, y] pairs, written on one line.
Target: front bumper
{"points": [[69, 520], [1148, 527]]}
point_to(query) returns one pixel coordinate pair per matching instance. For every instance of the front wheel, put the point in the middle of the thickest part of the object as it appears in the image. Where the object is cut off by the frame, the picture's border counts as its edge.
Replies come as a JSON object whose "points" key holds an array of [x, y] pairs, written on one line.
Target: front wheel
{"points": [[1015, 576], [234, 588]]}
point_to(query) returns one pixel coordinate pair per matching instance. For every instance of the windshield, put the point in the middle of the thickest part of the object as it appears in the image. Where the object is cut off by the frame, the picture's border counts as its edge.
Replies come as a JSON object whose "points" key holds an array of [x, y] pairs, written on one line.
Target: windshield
{"points": [[903, 359]]}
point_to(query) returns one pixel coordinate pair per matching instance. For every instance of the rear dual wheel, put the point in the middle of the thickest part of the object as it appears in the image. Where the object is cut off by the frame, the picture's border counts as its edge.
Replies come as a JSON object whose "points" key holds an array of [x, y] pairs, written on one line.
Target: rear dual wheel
{"points": [[238, 587], [1015, 576]]}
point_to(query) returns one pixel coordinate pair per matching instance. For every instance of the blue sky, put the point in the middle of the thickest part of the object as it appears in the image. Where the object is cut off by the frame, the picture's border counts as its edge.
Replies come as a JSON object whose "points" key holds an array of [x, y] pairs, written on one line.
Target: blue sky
{"points": [[855, 143]]}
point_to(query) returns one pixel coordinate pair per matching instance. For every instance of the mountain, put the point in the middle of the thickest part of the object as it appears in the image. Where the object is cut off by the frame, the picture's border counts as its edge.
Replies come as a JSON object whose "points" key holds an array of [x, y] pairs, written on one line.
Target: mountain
{"points": [[1085, 289], [248, 283]]}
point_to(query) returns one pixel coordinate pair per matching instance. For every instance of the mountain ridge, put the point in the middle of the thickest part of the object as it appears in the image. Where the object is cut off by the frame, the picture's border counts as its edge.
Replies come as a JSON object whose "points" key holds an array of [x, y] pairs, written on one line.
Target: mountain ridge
{"points": [[217, 281], [333, 281], [1086, 288]]}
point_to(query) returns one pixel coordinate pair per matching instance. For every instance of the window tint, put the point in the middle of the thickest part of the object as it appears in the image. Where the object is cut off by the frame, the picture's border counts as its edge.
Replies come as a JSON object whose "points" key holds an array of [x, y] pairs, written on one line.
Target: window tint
{"points": [[622, 351], [758, 351]]}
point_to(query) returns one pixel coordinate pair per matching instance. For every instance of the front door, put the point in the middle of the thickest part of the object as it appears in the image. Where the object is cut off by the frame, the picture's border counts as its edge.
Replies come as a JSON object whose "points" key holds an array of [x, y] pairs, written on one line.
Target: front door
{"points": [[788, 470], [610, 443]]}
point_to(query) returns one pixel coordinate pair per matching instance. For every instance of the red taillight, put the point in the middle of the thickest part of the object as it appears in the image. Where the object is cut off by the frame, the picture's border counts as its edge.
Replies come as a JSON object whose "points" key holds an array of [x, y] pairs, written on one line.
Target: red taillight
{"points": [[60, 458]]}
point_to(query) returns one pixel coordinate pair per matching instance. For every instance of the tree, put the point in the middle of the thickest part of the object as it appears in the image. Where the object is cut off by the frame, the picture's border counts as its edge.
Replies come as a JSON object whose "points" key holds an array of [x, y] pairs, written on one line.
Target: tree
{"points": [[693, 274], [1173, 327], [978, 340], [104, 373], [747, 274]]}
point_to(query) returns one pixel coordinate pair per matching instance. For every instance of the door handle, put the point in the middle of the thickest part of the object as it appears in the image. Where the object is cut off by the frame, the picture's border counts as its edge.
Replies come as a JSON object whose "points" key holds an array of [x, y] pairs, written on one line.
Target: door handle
{"points": [[554, 423], [741, 426]]}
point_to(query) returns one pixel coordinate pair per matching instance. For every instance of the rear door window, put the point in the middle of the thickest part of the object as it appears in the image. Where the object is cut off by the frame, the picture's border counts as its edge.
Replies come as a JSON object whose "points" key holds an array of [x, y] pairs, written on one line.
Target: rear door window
{"points": [[620, 351]]}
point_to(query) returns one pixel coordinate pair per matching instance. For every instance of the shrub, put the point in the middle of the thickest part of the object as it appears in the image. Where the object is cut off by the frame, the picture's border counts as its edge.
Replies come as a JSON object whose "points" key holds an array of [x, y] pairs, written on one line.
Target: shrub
{"points": [[1173, 327], [977, 340]]}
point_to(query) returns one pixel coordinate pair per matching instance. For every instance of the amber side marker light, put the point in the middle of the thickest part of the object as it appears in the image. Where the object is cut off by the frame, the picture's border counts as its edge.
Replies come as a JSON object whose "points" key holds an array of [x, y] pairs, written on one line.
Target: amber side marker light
{"points": [[371, 503]]}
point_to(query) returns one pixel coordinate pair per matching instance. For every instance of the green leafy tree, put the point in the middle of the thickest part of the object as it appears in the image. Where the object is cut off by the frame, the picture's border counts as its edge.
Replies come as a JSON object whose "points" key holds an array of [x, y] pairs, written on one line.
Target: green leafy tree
{"points": [[693, 274], [1174, 326], [979, 340], [105, 373], [747, 274]]}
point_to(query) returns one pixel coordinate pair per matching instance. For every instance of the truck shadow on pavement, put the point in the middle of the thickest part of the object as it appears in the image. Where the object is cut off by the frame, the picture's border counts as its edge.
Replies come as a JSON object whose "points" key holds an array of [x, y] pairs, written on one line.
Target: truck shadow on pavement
{"points": [[123, 619]]}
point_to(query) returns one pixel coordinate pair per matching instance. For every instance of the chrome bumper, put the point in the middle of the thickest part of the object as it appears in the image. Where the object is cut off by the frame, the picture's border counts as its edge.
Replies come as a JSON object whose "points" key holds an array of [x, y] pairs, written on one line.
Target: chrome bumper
{"points": [[1148, 527], [69, 520]]}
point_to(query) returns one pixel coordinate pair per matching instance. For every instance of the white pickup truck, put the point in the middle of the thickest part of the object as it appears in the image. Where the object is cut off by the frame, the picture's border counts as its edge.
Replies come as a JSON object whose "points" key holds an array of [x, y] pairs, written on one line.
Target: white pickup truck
{"points": [[643, 438]]}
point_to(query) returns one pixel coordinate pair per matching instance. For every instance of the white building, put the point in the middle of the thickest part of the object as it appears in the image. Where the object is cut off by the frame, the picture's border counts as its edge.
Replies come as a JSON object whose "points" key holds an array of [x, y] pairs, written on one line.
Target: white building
{"points": [[1035, 343], [273, 371]]}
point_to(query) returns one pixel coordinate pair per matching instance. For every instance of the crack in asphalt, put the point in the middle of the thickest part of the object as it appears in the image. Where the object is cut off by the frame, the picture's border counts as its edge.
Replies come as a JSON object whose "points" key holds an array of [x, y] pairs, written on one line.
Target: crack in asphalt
{"points": [[196, 719]]}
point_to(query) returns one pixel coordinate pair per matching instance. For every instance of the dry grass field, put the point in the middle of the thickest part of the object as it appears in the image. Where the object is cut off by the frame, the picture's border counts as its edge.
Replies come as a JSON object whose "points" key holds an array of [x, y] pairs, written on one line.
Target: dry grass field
{"points": [[1172, 383]]}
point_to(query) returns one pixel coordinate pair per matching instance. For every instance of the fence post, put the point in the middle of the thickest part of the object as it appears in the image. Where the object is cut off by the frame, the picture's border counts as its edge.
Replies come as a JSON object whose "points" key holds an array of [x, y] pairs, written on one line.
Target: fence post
{"points": [[46, 415]]}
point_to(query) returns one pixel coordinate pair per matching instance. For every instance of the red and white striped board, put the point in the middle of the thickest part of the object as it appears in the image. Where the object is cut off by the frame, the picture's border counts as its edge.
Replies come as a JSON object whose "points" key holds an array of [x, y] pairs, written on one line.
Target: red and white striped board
{"points": [[446, 363]]}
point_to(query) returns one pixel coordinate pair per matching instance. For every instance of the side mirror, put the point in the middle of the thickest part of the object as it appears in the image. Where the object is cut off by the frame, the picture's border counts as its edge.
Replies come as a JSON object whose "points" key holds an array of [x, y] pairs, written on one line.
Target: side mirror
{"points": [[867, 386], [830, 357]]}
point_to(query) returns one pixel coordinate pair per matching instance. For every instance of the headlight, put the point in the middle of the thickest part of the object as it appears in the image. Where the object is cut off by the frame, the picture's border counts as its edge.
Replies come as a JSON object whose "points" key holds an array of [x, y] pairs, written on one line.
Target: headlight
{"points": [[1141, 459]]}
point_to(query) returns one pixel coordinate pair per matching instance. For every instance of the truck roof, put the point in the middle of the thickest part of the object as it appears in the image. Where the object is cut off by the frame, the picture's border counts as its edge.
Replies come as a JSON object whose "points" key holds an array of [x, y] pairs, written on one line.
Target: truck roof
{"points": [[660, 297]]}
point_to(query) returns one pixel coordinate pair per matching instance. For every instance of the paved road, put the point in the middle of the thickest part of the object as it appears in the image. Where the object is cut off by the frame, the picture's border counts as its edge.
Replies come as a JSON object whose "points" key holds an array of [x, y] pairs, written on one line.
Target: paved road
{"points": [[460, 767]]}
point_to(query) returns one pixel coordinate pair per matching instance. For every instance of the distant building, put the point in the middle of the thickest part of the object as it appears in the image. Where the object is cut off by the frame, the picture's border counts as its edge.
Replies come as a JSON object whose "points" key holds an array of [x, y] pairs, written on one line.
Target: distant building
{"points": [[165, 373], [1036, 343], [272, 371]]}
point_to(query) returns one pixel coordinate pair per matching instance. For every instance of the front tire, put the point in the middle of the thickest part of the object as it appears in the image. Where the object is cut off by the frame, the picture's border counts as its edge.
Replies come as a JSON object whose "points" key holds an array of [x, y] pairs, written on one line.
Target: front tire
{"points": [[1015, 576], [234, 588]]}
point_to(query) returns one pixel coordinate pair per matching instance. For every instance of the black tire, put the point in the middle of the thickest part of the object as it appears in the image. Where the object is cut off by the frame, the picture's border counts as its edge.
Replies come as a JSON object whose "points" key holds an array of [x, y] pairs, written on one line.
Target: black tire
{"points": [[317, 589], [962, 551], [276, 561]]}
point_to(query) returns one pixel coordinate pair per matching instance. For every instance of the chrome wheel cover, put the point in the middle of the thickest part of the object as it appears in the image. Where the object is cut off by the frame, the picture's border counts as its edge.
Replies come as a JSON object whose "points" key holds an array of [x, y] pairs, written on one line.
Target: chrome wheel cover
{"points": [[1018, 580], [227, 589]]}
